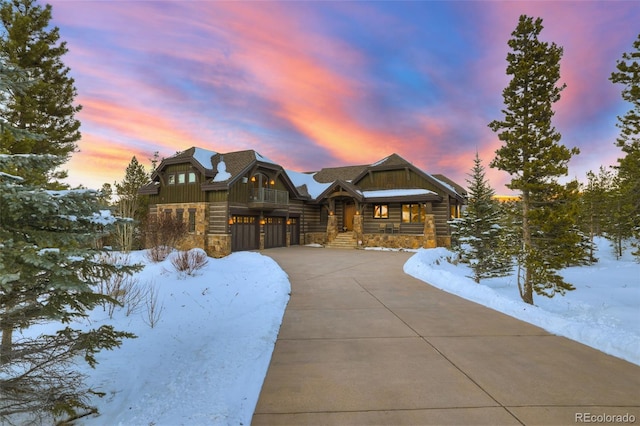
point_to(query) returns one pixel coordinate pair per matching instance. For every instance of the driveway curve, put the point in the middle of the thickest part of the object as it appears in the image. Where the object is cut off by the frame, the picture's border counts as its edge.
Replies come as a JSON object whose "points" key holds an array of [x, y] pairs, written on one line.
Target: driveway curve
{"points": [[362, 343]]}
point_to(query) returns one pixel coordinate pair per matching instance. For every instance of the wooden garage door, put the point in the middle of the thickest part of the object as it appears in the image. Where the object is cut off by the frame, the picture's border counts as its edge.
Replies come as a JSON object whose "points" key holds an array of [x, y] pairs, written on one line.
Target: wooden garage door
{"points": [[294, 229], [244, 233], [274, 232]]}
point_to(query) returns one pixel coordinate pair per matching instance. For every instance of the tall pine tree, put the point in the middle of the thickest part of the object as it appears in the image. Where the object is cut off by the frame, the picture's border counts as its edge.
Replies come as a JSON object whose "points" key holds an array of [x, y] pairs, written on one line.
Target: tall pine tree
{"points": [[46, 107], [533, 156], [478, 231], [131, 205], [628, 74]]}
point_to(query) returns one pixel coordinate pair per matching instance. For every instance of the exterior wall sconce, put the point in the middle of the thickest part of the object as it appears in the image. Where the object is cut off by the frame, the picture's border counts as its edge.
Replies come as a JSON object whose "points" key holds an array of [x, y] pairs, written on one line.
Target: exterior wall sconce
{"points": [[288, 221], [262, 221], [330, 213], [230, 221], [272, 182], [253, 178], [357, 213]]}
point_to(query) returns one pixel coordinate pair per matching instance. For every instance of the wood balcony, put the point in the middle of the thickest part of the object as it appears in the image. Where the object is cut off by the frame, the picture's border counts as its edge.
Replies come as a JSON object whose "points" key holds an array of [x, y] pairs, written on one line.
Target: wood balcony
{"points": [[267, 199]]}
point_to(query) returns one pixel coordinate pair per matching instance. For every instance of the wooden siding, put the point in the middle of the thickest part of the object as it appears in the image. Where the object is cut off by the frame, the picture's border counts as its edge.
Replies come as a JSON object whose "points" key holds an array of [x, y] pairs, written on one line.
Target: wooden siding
{"points": [[180, 192], [218, 218], [311, 219], [392, 179], [441, 213], [372, 225]]}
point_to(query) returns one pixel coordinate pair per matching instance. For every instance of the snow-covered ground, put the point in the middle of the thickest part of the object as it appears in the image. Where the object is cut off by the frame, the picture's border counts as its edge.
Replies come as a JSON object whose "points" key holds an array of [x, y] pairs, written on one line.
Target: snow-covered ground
{"points": [[205, 359], [602, 312]]}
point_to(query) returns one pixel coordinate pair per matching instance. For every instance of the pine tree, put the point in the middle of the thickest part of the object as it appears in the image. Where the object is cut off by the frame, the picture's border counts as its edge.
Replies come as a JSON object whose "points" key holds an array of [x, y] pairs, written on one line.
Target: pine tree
{"points": [[44, 108], [532, 155], [130, 205], [478, 231], [628, 74], [47, 273], [594, 208]]}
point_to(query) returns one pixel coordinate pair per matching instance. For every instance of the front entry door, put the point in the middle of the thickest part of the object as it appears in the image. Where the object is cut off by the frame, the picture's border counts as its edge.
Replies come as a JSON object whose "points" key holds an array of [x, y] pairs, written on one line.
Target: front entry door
{"points": [[349, 212]]}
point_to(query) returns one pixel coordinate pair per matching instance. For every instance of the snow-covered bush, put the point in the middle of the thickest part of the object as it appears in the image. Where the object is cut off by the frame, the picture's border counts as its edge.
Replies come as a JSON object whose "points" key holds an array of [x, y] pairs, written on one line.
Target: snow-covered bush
{"points": [[190, 261]]}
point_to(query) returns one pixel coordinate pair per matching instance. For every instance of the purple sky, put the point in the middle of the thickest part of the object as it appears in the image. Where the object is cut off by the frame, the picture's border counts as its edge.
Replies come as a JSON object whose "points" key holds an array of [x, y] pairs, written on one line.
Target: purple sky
{"points": [[322, 84]]}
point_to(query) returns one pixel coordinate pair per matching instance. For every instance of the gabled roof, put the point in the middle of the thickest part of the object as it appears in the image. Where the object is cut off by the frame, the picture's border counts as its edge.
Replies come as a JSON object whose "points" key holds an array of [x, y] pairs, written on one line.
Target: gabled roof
{"points": [[347, 187], [237, 164], [395, 162], [320, 184], [332, 174]]}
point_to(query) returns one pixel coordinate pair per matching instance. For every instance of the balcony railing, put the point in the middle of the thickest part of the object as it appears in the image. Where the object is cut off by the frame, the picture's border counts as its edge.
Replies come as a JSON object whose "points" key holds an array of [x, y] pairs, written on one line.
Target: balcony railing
{"points": [[267, 198]]}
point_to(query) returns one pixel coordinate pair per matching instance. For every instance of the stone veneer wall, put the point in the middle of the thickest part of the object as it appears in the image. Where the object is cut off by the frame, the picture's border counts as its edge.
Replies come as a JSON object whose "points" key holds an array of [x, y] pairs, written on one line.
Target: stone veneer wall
{"points": [[394, 241], [315, 238], [191, 239], [218, 245]]}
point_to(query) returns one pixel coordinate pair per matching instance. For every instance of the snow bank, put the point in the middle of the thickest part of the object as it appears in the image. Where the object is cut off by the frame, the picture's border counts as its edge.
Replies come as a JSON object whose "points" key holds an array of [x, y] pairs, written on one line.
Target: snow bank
{"points": [[603, 312], [206, 358]]}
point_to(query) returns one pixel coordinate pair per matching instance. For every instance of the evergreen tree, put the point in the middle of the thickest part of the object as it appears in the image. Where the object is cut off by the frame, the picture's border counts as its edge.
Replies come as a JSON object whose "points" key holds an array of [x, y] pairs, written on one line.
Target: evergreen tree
{"points": [[478, 231], [44, 108], [131, 206], [47, 273], [595, 208], [628, 74], [533, 156]]}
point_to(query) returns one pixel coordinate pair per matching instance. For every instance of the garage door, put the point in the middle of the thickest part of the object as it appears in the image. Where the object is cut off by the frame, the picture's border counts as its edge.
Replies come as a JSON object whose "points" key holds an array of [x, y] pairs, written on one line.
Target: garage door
{"points": [[244, 233], [294, 229], [274, 232]]}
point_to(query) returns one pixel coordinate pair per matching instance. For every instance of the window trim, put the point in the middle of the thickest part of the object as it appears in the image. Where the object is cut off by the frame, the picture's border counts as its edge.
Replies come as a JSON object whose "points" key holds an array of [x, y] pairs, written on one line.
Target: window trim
{"points": [[383, 209], [422, 212]]}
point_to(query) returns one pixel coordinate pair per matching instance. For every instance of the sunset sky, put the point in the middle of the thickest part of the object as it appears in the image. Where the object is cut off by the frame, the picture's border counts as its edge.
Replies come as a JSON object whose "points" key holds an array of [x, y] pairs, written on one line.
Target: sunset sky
{"points": [[323, 84]]}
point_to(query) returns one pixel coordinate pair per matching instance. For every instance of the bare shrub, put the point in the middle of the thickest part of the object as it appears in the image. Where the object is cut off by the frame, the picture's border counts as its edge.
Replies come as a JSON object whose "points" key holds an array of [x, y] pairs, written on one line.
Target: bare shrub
{"points": [[154, 308], [190, 261], [115, 285], [134, 295], [162, 234]]}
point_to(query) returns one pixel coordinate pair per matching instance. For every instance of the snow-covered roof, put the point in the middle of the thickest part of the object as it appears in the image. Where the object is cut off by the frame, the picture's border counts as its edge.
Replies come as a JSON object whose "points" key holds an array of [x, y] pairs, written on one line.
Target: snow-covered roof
{"points": [[391, 193], [203, 156], [314, 188], [264, 159]]}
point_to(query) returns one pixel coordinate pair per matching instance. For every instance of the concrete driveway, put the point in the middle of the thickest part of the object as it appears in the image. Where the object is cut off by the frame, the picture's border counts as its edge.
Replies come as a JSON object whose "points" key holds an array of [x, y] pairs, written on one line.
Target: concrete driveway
{"points": [[362, 343]]}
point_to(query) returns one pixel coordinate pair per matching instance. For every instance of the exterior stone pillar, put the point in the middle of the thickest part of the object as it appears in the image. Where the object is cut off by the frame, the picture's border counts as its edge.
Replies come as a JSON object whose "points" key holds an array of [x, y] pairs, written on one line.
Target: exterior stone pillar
{"points": [[332, 227], [358, 229], [430, 232]]}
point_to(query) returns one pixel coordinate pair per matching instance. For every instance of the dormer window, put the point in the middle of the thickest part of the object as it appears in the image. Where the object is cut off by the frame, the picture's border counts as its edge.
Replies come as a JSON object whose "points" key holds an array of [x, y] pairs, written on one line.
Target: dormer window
{"points": [[171, 180], [191, 177]]}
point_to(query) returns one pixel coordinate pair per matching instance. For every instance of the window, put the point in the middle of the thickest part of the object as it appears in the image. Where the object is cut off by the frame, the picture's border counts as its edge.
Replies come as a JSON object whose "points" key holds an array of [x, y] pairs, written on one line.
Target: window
{"points": [[192, 220], [172, 179], [413, 213], [381, 211], [455, 211], [192, 177], [167, 214], [180, 215], [181, 177]]}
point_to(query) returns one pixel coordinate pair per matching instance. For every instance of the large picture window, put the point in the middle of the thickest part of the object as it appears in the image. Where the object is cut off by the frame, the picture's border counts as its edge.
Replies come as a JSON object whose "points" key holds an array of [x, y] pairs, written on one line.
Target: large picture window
{"points": [[381, 211], [413, 213]]}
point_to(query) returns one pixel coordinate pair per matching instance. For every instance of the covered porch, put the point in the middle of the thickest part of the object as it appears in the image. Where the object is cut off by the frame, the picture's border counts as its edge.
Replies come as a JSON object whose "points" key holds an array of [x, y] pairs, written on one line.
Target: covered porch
{"points": [[401, 218]]}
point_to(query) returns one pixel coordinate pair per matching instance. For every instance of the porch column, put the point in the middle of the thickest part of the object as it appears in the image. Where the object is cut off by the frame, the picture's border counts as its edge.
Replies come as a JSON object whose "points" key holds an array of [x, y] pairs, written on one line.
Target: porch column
{"points": [[430, 240], [358, 228], [332, 227]]}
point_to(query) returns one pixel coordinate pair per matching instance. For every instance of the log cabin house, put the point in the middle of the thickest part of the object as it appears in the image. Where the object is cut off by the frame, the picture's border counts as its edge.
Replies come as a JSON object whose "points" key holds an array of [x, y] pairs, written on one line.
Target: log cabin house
{"points": [[244, 201]]}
